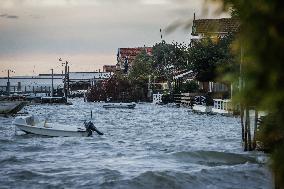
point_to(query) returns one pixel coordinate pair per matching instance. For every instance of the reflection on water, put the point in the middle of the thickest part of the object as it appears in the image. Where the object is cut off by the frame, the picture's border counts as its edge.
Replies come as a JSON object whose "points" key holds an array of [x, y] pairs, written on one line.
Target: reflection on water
{"points": [[148, 147]]}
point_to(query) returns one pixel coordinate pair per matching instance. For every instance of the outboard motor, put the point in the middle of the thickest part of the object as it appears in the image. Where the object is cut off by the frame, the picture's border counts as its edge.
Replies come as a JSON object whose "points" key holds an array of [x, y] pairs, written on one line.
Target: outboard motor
{"points": [[90, 127]]}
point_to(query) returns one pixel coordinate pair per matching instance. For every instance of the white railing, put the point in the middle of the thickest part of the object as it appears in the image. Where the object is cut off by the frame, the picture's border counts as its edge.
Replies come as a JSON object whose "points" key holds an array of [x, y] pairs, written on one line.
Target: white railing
{"points": [[222, 106]]}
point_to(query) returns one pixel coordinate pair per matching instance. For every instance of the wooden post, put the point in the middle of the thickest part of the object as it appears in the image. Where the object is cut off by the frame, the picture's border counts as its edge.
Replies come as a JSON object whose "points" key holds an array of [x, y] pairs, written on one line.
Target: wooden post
{"points": [[249, 145], [255, 129], [242, 123], [246, 129]]}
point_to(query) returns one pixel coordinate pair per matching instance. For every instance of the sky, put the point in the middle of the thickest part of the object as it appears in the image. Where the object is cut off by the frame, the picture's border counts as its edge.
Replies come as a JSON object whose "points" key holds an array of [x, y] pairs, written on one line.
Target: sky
{"points": [[34, 34]]}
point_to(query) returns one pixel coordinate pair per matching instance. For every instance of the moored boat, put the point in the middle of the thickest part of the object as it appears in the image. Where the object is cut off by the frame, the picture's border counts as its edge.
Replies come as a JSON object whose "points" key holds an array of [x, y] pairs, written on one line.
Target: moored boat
{"points": [[200, 105], [120, 105], [11, 107], [202, 108], [32, 124]]}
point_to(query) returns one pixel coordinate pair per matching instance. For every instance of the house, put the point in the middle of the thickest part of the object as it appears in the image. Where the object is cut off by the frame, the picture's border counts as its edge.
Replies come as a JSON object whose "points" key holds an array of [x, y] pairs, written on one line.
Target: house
{"points": [[214, 29], [125, 56], [109, 68]]}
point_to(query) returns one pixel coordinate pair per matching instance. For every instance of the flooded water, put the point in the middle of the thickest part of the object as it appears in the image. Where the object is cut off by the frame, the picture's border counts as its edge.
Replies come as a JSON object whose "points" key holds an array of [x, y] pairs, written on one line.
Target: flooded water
{"points": [[148, 147]]}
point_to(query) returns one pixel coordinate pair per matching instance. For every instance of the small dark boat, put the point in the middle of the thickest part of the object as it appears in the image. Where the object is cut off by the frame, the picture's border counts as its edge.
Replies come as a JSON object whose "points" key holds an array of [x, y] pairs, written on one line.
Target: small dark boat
{"points": [[120, 105]]}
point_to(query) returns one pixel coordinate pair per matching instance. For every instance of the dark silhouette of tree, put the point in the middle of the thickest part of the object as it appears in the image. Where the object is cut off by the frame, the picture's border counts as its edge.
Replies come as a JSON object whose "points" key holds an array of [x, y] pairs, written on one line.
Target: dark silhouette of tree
{"points": [[261, 41], [209, 60], [141, 66], [167, 58]]}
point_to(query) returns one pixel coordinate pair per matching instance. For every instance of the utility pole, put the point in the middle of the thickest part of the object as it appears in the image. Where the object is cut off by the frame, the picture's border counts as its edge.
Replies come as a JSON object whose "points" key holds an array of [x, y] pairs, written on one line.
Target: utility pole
{"points": [[8, 82], [68, 71], [66, 78]]}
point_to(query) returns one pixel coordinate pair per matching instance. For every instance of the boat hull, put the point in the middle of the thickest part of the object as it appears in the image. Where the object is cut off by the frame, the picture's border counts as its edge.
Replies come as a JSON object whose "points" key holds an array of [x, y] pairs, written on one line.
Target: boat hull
{"points": [[202, 109], [123, 106], [11, 107], [50, 132]]}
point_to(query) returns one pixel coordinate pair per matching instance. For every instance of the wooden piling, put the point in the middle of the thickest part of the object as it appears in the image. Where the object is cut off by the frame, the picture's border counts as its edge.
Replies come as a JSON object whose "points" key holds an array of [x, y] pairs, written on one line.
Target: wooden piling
{"points": [[249, 131], [255, 129], [246, 130], [242, 123]]}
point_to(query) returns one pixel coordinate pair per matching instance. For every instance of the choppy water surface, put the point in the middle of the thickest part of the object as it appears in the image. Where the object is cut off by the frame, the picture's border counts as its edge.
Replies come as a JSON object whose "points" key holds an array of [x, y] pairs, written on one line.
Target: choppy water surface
{"points": [[148, 147]]}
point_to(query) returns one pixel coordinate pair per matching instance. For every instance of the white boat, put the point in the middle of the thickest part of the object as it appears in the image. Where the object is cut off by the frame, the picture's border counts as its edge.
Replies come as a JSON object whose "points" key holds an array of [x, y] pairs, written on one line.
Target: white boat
{"points": [[200, 105], [32, 124], [202, 108], [11, 107], [120, 105]]}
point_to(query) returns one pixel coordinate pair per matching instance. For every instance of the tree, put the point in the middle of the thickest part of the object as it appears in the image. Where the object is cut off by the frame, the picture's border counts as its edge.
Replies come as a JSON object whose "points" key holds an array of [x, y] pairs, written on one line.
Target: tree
{"points": [[141, 66], [167, 58], [189, 87], [261, 41], [210, 60]]}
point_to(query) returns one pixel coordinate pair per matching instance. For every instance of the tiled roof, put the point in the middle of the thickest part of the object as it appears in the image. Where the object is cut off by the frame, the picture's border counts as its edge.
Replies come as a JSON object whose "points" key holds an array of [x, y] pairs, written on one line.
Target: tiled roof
{"points": [[219, 26], [131, 53], [109, 68]]}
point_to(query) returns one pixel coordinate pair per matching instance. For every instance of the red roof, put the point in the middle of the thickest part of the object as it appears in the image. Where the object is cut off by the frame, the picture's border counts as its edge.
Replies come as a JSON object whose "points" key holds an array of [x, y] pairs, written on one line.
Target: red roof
{"points": [[131, 53], [109, 68]]}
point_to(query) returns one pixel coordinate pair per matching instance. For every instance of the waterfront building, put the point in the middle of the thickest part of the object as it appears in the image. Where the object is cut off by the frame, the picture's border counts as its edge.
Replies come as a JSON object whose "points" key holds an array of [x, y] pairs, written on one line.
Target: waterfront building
{"points": [[214, 29], [125, 57], [109, 68]]}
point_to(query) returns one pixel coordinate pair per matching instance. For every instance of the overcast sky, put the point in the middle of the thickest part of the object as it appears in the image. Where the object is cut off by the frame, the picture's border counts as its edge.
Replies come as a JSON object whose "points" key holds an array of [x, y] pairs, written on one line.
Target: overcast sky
{"points": [[35, 33]]}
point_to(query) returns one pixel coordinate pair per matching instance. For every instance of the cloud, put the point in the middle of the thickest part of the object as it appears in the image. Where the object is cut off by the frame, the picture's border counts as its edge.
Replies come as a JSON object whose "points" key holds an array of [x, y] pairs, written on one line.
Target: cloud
{"points": [[88, 31], [9, 16], [60, 3], [155, 2], [12, 16], [30, 64]]}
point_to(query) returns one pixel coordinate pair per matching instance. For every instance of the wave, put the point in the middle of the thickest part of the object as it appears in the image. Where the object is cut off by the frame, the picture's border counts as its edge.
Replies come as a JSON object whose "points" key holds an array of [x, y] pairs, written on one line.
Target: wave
{"points": [[148, 180], [213, 158], [10, 160], [5, 141], [219, 178], [25, 175]]}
